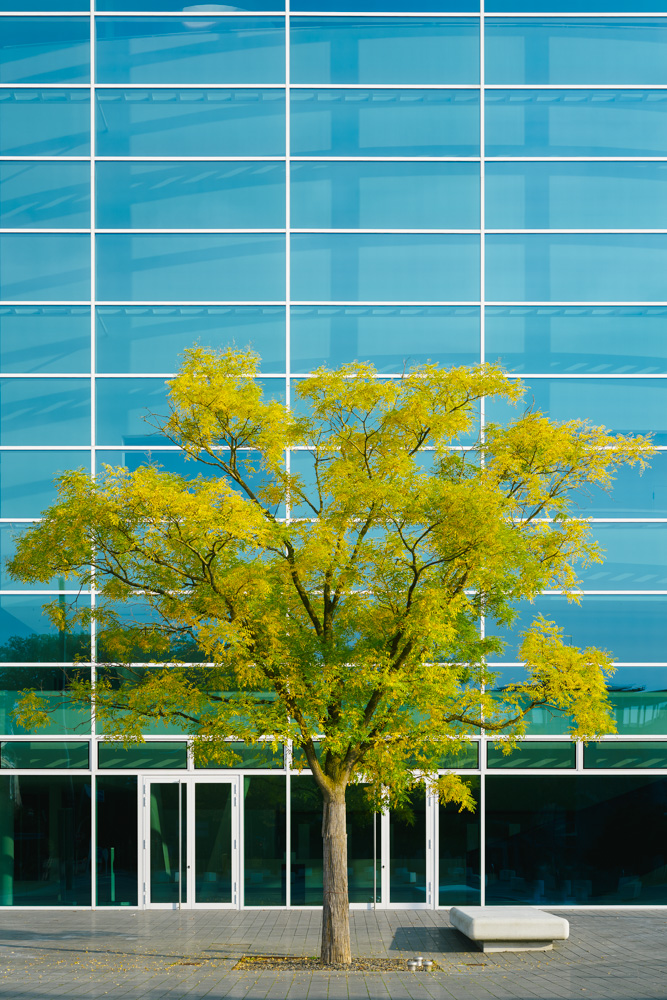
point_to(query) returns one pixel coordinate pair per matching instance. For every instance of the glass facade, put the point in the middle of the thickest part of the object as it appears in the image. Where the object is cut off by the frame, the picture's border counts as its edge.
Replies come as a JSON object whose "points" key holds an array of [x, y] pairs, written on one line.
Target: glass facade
{"points": [[326, 182]]}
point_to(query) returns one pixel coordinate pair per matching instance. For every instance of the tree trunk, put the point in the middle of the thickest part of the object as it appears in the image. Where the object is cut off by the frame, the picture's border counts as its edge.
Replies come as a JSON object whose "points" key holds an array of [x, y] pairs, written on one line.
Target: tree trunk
{"points": [[336, 908]]}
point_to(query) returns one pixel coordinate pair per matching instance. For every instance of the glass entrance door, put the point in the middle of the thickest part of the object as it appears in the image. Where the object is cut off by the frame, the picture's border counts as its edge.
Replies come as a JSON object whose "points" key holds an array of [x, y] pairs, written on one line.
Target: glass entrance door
{"points": [[192, 842]]}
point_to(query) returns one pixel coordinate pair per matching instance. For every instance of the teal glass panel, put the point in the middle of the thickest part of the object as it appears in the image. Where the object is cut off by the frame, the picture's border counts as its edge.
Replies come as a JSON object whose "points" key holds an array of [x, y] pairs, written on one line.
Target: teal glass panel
{"points": [[260, 755], [45, 50], [190, 122], [28, 636], [625, 753], [191, 267], [43, 753], [595, 340], [126, 679], [9, 536], [390, 337], [45, 266], [582, 51], [639, 699], [384, 195], [126, 410], [202, 50], [50, 684], [538, 755], [44, 339], [152, 338], [548, 841], [386, 6], [44, 5], [569, 6], [178, 5], [384, 50], [576, 195], [467, 757], [168, 833], [388, 267], [117, 847], [459, 852], [27, 479], [143, 756], [190, 195], [576, 122], [385, 123], [626, 406], [577, 268], [45, 411], [264, 840], [45, 829], [631, 495], [630, 627], [635, 558], [541, 721], [44, 195], [407, 852], [44, 122], [213, 842]]}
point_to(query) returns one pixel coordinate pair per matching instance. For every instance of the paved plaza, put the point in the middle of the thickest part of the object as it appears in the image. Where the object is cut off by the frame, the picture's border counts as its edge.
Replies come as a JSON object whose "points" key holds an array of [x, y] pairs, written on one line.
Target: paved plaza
{"points": [[172, 955]]}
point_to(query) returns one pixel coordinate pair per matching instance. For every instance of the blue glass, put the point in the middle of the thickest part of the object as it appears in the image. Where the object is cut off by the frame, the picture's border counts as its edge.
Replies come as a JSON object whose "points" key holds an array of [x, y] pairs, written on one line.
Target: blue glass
{"points": [[190, 122], [334, 195], [577, 268], [386, 6], [47, 6], [27, 479], [189, 268], [44, 411], [576, 122], [635, 558], [572, 6], [44, 122], [190, 195], [44, 195], [582, 51], [50, 684], [631, 628], [44, 338], [639, 699], [593, 340], [180, 5], [390, 337], [126, 409], [385, 267], [27, 635], [385, 122], [576, 195], [152, 338], [45, 50], [631, 495], [384, 50], [9, 536], [44, 266], [199, 50], [625, 406]]}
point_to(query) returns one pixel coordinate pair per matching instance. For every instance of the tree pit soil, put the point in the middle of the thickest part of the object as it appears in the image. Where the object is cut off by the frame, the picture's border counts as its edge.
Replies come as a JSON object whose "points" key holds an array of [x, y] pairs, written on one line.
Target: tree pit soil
{"points": [[291, 963]]}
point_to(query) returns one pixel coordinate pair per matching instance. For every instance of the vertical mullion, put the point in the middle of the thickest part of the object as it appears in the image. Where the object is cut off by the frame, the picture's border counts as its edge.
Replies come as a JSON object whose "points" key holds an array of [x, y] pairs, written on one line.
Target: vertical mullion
{"points": [[93, 678], [288, 399], [482, 349]]}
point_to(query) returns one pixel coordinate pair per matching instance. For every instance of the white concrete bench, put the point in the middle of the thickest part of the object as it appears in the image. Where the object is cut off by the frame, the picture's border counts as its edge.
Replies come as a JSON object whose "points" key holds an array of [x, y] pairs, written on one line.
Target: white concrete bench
{"points": [[509, 928]]}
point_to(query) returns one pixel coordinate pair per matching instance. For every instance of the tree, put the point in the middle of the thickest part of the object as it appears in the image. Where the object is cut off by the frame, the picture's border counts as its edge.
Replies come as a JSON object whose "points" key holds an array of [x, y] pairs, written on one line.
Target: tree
{"points": [[356, 620]]}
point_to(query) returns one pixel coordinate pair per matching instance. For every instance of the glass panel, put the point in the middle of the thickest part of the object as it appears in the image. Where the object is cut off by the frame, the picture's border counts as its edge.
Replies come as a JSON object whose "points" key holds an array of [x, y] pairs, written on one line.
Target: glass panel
{"points": [[213, 842], [264, 840], [626, 406], [44, 195], [548, 843], [639, 698], [44, 5], [572, 339], [337, 335], [192, 267], [190, 195], [391, 267], [385, 123], [26, 479], [567, 6], [255, 755], [45, 122], [9, 537], [541, 721], [631, 627], [537, 755], [166, 883], [117, 875], [132, 677], [384, 50], [45, 831], [190, 122], [577, 268], [45, 50], [44, 338], [385, 6], [468, 757], [28, 636], [576, 195], [635, 557], [581, 51], [385, 195], [459, 853], [201, 50], [51, 684], [179, 5], [364, 848], [37, 755], [143, 755], [631, 495], [407, 852], [44, 266], [576, 123], [152, 338], [126, 409], [628, 753], [45, 411]]}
